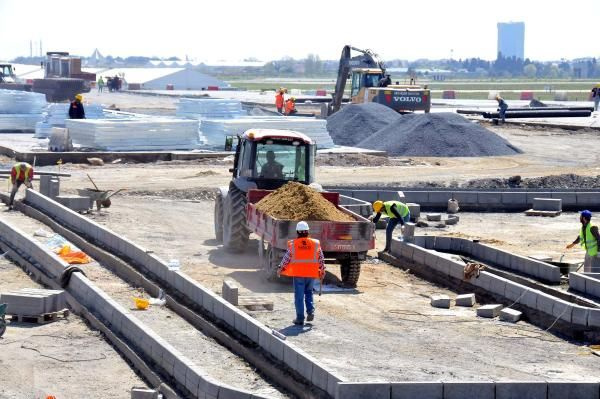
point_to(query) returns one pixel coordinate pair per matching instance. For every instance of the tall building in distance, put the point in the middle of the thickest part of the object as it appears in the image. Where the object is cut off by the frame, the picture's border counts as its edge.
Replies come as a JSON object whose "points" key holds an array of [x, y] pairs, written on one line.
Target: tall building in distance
{"points": [[511, 39]]}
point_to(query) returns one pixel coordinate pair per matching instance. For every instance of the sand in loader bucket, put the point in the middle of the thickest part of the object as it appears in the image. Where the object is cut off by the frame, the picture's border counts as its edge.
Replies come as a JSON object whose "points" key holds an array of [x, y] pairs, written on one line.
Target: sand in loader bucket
{"points": [[296, 201]]}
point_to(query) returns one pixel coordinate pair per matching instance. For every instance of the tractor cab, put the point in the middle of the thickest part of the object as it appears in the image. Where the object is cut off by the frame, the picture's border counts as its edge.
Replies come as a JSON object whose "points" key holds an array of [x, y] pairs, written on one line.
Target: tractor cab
{"points": [[364, 78], [268, 158], [7, 74]]}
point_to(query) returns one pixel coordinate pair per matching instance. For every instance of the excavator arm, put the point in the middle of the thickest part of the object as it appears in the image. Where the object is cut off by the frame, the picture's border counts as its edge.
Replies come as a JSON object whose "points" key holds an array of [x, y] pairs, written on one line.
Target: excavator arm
{"points": [[366, 59]]}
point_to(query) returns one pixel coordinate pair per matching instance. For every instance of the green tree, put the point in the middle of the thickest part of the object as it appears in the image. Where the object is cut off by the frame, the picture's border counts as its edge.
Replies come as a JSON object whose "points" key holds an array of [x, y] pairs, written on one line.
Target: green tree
{"points": [[530, 71]]}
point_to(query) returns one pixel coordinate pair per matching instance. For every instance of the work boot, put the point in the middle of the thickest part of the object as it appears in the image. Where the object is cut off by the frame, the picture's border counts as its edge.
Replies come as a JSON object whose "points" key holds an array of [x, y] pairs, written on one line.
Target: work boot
{"points": [[298, 322], [310, 317]]}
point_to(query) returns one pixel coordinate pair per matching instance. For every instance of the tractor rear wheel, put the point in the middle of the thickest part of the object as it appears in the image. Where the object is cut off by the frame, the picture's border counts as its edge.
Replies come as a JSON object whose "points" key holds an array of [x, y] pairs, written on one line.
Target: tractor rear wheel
{"points": [[235, 230], [271, 260], [350, 271]]}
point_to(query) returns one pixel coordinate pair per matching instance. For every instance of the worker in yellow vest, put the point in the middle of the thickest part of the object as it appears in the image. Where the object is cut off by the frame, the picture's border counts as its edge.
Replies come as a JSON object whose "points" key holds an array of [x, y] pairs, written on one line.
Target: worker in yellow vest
{"points": [[21, 173], [588, 238], [304, 262], [397, 212]]}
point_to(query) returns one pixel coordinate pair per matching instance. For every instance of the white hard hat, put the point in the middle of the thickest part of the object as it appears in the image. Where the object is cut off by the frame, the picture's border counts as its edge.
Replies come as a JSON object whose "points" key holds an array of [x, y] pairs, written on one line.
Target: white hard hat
{"points": [[302, 226]]}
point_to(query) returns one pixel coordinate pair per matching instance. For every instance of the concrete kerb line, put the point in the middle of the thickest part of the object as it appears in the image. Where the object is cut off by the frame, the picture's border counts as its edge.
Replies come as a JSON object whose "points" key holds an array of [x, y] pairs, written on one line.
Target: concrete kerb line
{"points": [[177, 281]]}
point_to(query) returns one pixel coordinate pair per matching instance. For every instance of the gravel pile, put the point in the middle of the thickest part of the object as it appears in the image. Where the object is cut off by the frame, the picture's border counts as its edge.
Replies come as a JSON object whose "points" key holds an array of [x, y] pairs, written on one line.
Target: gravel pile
{"points": [[295, 201], [355, 122], [377, 127]]}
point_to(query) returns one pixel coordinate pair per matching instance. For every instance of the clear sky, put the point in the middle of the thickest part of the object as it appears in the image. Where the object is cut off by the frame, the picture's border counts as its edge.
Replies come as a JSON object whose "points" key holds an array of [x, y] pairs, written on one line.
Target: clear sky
{"points": [[266, 29]]}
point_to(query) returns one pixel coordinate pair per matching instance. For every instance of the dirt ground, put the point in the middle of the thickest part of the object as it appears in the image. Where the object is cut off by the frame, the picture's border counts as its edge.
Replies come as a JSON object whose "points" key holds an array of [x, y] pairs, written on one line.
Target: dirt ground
{"points": [[65, 358]]}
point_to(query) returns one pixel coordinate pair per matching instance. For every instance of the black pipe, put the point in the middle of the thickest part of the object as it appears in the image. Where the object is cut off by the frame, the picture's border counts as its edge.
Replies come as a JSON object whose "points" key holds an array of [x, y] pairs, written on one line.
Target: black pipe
{"points": [[538, 114]]}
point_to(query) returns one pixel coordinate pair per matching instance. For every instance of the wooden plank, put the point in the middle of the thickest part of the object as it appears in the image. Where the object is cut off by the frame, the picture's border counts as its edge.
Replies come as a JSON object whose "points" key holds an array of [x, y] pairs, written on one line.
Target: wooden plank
{"points": [[532, 212]]}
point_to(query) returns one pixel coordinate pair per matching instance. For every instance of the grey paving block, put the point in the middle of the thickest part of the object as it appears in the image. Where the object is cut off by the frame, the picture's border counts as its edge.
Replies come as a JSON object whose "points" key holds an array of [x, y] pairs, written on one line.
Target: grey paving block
{"points": [[545, 303], [419, 241], [514, 198], [384, 195], [319, 376], [547, 204], [439, 198], [429, 242], [290, 356], [415, 210], [229, 315], [264, 338], [168, 362], [407, 251], [208, 300], [434, 217], [490, 254], [456, 269], [252, 328], [489, 311], [477, 250], [208, 387], [532, 195], [549, 273], [239, 321], [484, 280], [192, 379], [419, 197], [469, 390], [411, 390], [579, 315], [358, 390], [573, 390], [419, 256], [568, 199], [593, 318], [511, 315], [489, 198], [586, 199], [332, 382], [443, 243], [305, 364], [440, 301], [529, 299], [442, 265], [465, 197], [227, 392], [396, 247], [143, 393], [275, 346], [218, 311], [466, 246], [431, 258], [514, 291], [521, 390], [592, 287], [498, 285], [563, 310], [455, 244], [467, 300]]}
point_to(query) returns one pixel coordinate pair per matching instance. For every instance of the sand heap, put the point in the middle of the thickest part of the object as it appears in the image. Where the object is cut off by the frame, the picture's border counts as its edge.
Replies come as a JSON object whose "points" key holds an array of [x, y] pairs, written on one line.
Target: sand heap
{"points": [[295, 201]]}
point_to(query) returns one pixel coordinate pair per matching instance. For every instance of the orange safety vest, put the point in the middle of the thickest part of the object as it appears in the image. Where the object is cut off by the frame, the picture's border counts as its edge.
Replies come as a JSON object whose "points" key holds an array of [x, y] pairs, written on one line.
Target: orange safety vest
{"points": [[279, 100], [21, 171], [289, 106], [304, 259]]}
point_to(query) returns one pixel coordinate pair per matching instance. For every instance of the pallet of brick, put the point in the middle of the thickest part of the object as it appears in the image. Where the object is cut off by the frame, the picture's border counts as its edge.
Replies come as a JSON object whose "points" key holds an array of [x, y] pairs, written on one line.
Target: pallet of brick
{"points": [[33, 302]]}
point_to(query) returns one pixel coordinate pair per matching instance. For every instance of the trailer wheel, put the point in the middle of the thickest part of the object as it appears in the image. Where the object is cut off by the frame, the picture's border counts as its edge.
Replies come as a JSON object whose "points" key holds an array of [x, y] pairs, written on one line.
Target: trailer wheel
{"points": [[218, 217], [235, 230], [271, 261], [350, 271]]}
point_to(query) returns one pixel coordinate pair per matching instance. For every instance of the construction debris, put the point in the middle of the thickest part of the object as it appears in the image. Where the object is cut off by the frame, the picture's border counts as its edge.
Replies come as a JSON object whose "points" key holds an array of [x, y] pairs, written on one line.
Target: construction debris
{"points": [[296, 201]]}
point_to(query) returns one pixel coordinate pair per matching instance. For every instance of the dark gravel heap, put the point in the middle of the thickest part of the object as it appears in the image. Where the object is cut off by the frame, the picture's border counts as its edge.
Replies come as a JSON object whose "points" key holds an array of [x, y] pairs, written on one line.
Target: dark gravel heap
{"points": [[377, 127], [441, 134], [355, 122]]}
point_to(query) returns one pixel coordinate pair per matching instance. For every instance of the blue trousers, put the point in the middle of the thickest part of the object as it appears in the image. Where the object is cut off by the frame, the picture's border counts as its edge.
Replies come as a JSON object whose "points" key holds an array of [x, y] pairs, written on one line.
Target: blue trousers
{"points": [[303, 294], [389, 230]]}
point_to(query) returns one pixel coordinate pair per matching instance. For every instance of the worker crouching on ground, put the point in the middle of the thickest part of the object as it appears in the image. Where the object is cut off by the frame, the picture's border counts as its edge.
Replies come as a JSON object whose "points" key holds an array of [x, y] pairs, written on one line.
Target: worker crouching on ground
{"points": [[589, 239], [279, 101], [76, 110], [397, 212], [304, 262], [502, 107], [290, 106], [21, 173]]}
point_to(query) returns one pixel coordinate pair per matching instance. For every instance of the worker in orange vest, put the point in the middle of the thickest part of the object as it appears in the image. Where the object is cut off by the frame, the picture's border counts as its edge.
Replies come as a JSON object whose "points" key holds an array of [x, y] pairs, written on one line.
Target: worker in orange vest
{"points": [[279, 101], [304, 262], [290, 106], [21, 173]]}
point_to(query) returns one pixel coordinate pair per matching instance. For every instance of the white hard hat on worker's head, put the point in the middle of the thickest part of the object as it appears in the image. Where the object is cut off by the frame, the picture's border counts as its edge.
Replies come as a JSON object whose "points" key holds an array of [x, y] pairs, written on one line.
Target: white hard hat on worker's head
{"points": [[302, 226]]}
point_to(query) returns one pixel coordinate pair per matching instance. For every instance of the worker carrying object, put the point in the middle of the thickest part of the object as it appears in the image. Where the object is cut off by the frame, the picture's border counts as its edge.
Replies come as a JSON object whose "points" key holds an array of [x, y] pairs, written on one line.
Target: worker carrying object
{"points": [[304, 262], [290, 106], [502, 107], [596, 96], [279, 102], [21, 173], [397, 211], [589, 239], [76, 110]]}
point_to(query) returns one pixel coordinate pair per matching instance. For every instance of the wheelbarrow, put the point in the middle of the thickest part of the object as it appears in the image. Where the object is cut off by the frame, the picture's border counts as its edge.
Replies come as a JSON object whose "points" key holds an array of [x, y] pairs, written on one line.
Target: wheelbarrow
{"points": [[100, 197], [2, 318]]}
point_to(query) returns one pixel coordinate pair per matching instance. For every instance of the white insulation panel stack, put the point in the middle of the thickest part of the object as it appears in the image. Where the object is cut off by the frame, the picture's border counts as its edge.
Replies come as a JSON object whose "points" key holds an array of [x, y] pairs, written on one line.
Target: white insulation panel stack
{"points": [[205, 108], [57, 113], [20, 110], [155, 134], [215, 130]]}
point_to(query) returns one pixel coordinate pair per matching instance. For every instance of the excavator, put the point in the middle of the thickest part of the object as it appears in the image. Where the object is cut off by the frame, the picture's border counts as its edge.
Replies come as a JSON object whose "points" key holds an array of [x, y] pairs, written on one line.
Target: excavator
{"points": [[368, 76]]}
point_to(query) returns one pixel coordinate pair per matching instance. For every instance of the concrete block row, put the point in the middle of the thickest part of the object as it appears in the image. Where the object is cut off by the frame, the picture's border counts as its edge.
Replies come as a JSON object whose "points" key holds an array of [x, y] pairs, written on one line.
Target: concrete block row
{"points": [[585, 283], [534, 299], [470, 389], [373, 195]]}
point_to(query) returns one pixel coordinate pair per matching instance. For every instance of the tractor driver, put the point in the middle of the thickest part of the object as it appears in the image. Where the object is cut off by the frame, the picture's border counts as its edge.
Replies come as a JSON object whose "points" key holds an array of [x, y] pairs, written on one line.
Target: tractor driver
{"points": [[272, 169]]}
